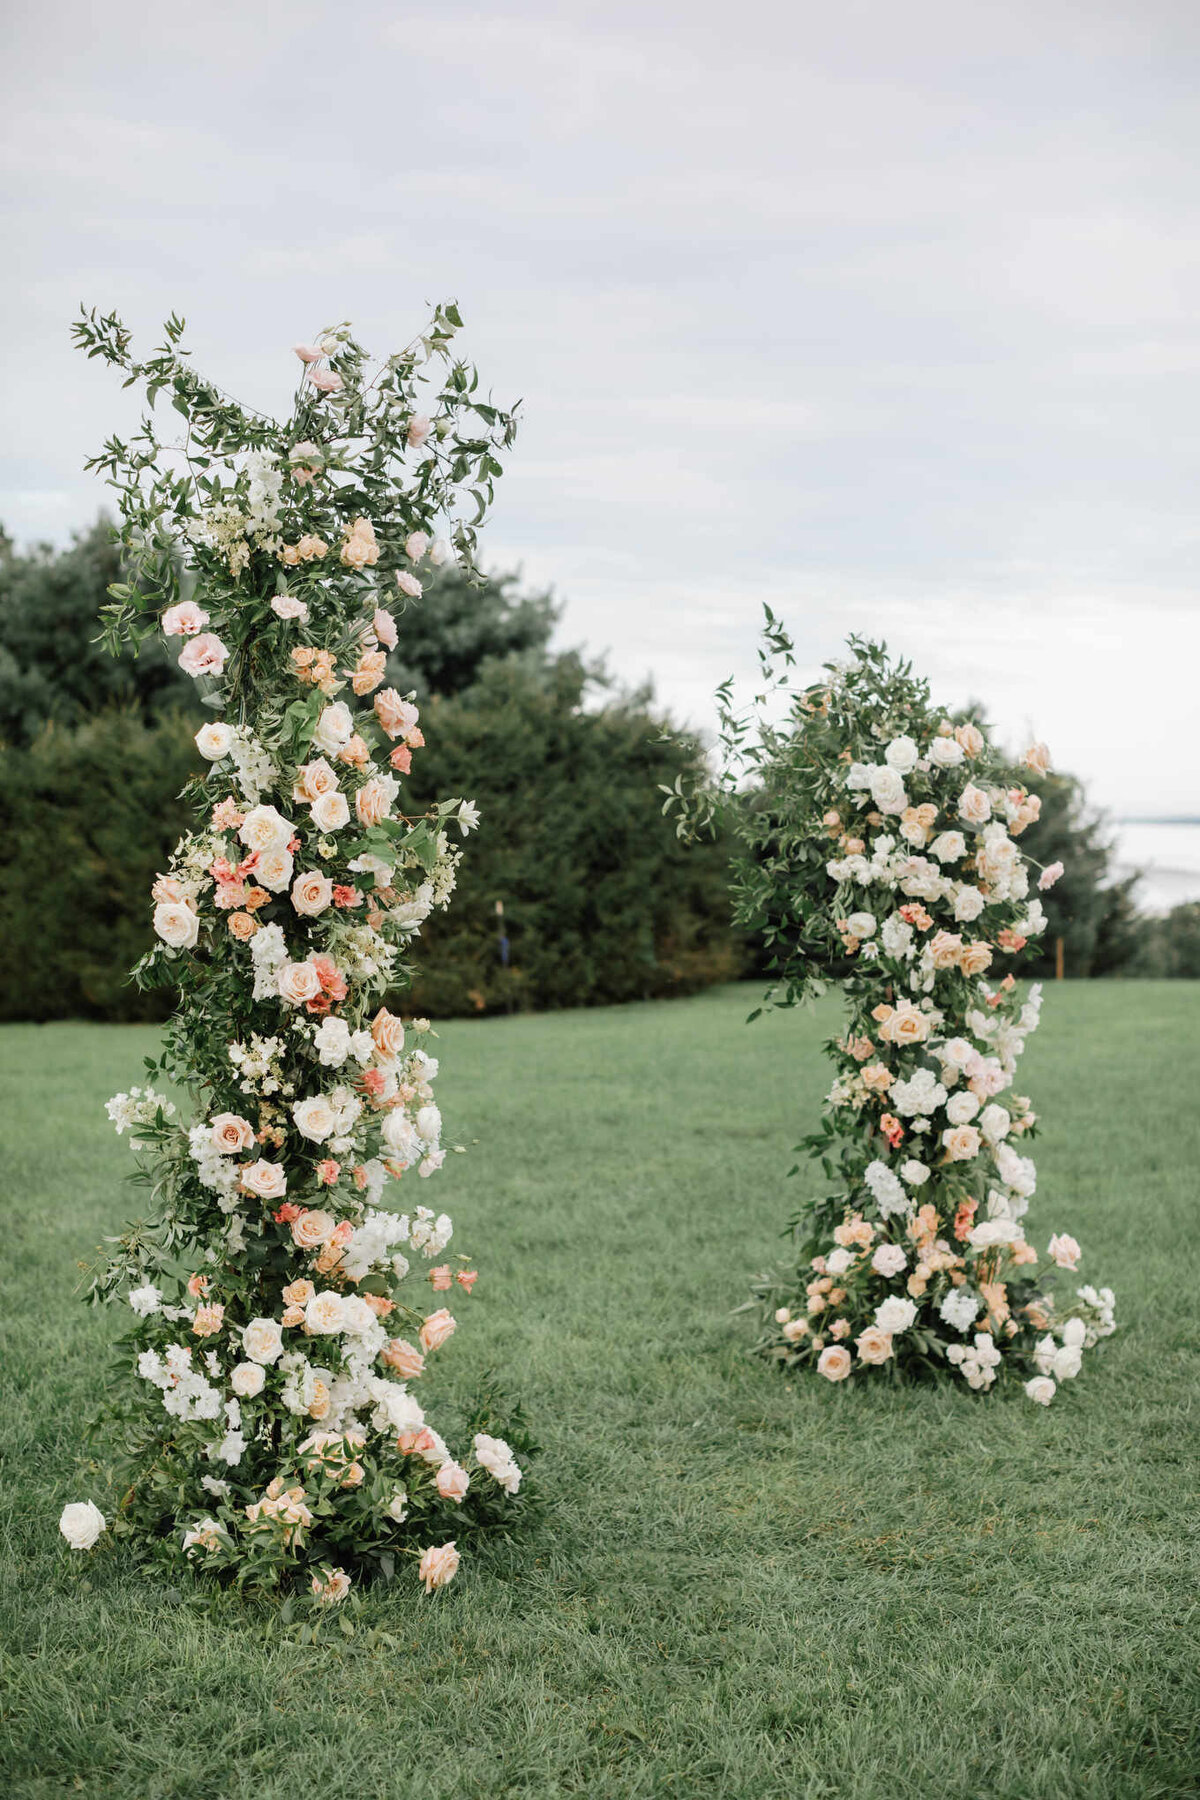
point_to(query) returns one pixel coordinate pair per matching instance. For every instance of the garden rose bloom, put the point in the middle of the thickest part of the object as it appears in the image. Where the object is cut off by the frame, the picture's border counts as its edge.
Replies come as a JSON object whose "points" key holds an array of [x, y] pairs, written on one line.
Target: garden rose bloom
{"points": [[314, 779], [970, 738], [436, 1329], [334, 728], [384, 627], [1064, 1251], [1037, 758], [297, 982], [888, 1260], [974, 805], [961, 1143], [214, 741], [438, 1566], [184, 620], [975, 959], [945, 949], [895, 1315], [962, 1107], [308, 353], [419, 428], [834, 1362], [315, 1119], [262, 1340], [325, 1313], [309, 1229], [1041, 1389], [873, 1345], [906, 1025], [286, 606], [230, 1134], [265, 1179], [274, 869], [1049, 876], [330, 811], [247, 1379], [408, 584], [452, 1481], [81, 1524], [242, 925], [203, 655], [415, 545], [372, 802], [311, 893], [945, 753], [388, 1033], [396, 716], [330, 1587], [368, 672], [176, 924], [265, 829], [403, 1357]]}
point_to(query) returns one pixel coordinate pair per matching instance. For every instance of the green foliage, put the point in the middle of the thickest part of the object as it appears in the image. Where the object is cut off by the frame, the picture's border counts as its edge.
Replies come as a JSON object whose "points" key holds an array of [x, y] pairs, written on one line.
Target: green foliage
{"points": [[52, 665], [463, 623], [1170, 946], [88, 818], [601, 901], [1092, 913]]}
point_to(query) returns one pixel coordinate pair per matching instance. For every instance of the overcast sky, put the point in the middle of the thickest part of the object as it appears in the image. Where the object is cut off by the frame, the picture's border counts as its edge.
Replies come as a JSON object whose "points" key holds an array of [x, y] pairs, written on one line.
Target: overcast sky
{"points": [[883, 312]]}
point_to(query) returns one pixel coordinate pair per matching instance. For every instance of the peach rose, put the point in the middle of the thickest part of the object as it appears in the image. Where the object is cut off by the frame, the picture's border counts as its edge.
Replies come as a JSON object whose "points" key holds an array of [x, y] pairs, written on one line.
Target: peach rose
{"points": [[266, 1179], [297, 982], [1037, 758], [314, 779], [874, 1346], [436, 1329], [176, 924], [372, 802], [242, 925], [384, 627], [310, 1228], [975, 959], [438, 1566], [396, 716], [207, 1321], [907, 1025], [230, 1133], [404, 1357], [834, 1362], [878, 1078], [299, 1293], [330, 812], [974, 805], [970, 739], [368, 672], [452, 1481], [330, 1587], [388, 1032], [311, 893], [945, 949]]}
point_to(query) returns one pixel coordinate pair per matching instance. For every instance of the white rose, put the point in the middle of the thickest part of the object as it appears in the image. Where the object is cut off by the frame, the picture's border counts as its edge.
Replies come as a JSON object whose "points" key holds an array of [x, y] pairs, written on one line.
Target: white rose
{"points": [[262, 1340], [915, 1173], [961, 1108], [263, 828], [400, 1136], [1067, 1362], [895, 1315], [429, 1124], [247, 1379], [995, 1123], [945, 752], [176, 924], [315, 1118], [332, 1043], [145, 1300], [81, 1524], [274, 869], [888, 1260], [887, 790], [839, 1260], [214, 741], [1041, 1389], [968, 904], [858, 777], [901, 755], [861, 925], [323, 1314], [1074, 1332], [330, 811], [949, 846], [334, 728]]}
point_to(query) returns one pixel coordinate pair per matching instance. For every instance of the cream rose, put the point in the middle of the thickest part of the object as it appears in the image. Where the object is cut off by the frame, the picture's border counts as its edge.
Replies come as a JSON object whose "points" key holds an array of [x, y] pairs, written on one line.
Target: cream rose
{"points": [[297, 982], [907, 1025], [311, 1228], [315, 1118], [231, 1133], [334, 728], [263, 828], [873, 1345], [961, 1143], [945, 753], [311, 893], [214, 741], [372, 802], [314, 779], [262, 1340], [247, 1379], [274, 869], [834, 1362], [438, 1566], [176, 924], [323, 1314], [945, 950], [1037, 759], [974, 805], [330, 811], [452, 1481], [975, 959], [81, 1524], [265, 1179]]}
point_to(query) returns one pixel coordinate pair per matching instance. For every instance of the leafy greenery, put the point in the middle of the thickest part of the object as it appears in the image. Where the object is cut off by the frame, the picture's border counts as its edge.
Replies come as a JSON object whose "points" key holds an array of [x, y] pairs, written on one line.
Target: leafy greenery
{"points": [[745, 1589]]}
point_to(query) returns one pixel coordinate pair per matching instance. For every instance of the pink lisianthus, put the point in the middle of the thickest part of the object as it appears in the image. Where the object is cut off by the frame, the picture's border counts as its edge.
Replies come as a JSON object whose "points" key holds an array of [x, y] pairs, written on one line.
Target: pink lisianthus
{"points": [[286, 606], [384, 627], [184, 620], [326, 381], [203, 655], [1050, 875], [1064, 1251], [308, 353], [438, 1566]]}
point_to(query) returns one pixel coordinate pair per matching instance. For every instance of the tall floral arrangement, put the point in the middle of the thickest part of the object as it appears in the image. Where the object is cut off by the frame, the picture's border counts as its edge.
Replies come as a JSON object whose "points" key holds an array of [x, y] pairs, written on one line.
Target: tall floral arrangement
{"points": [[289, 1287], [879, 850]]}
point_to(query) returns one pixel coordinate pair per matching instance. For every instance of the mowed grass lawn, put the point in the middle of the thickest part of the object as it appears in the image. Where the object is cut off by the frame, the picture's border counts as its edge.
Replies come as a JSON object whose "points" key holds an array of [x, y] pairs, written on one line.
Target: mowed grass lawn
{"points": [[743, 1585]]}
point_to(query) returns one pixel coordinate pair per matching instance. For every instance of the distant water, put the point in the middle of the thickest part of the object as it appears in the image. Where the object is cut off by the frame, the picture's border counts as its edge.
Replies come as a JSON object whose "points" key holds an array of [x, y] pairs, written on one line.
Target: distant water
{"points": [[1169, 856]]}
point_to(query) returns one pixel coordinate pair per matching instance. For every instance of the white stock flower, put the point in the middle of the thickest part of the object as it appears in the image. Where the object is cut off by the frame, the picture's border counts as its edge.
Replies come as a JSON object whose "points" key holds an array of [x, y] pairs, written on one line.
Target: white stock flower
{"points": [[960, 1308]]}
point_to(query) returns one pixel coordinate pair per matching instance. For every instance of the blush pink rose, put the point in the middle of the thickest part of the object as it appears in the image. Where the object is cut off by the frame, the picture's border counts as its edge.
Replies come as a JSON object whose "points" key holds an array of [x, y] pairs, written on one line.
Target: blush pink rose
{"points": [[231, 1134], [834, 1362], [436, 1329], [298, 982], [184, 620], [311, 893], [397, 717], [266, 1179], [438, 1566], [1064, 1251], [326, 381], [452, 1481], [372, 803], [204, 655], [1049, 876], [308, 353], [384, 627], [408, 584], [419, 429], [286, 606]]}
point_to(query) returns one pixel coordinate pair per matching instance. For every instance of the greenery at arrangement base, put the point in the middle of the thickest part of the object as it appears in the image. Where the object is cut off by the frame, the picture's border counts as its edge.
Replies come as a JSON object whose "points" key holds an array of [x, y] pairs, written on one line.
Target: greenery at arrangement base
{"points": [[265, 1427], [878, 851]]}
